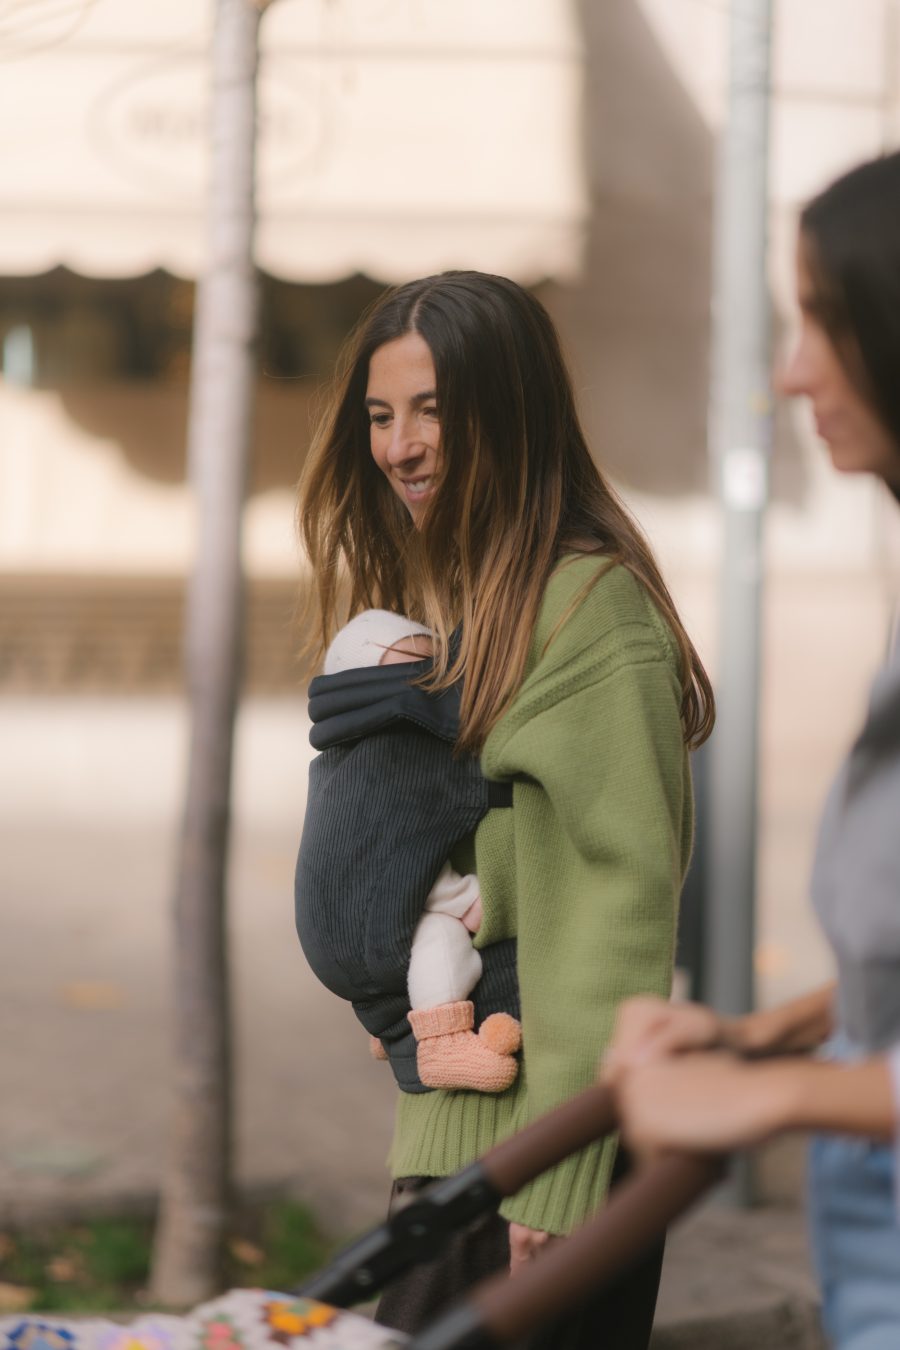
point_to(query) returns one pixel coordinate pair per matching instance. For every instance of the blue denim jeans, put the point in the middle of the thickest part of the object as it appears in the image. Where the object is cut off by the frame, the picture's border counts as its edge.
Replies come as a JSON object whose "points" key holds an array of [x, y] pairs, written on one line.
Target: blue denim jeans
{"points": [[855, 1238]]}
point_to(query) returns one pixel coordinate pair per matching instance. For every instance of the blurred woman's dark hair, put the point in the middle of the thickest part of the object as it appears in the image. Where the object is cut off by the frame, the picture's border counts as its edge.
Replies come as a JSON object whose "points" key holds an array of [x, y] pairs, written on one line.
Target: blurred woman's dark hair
{"points": [[850, 240]]}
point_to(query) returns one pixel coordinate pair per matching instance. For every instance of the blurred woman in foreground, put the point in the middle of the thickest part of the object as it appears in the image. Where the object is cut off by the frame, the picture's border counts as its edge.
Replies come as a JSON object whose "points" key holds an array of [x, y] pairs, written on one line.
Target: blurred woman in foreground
{"points": [[682, 1074]]}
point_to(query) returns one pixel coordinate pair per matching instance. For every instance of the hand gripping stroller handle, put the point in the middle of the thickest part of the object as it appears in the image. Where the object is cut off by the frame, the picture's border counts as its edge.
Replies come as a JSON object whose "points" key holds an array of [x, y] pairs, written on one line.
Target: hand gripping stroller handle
{"points": [[419, 1230], [503, 1310]]}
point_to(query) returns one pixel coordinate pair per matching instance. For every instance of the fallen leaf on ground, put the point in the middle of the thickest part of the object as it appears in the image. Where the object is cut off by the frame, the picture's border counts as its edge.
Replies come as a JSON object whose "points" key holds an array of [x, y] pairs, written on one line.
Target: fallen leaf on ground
{"points": [[62, 1269], [16, 1297], [96, 995], [246, 1252]]}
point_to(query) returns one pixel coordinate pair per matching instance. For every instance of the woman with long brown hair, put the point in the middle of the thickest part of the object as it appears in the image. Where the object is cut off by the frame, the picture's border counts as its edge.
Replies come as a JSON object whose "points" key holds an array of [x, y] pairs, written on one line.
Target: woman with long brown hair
{"points": [[450, 481]]}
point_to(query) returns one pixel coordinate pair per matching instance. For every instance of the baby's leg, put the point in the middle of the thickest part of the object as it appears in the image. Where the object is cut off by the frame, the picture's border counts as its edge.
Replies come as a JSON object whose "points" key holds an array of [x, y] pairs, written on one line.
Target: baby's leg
{"points": [[456, 895], [452, 893], [444, 967]]}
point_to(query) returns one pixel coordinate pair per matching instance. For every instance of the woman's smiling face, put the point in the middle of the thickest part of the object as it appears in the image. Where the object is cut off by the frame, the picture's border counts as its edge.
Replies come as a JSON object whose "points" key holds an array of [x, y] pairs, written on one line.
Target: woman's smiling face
{"points": [[404, 428]]}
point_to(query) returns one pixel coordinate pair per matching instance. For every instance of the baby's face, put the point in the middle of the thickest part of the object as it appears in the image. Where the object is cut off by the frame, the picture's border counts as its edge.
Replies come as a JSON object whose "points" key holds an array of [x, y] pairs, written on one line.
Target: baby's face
{"points": [[413, 648]]}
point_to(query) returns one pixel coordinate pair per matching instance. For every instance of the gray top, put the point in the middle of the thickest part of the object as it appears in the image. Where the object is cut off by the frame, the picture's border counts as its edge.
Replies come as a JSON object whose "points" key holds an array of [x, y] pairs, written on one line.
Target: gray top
{"points": [[856, 876]]}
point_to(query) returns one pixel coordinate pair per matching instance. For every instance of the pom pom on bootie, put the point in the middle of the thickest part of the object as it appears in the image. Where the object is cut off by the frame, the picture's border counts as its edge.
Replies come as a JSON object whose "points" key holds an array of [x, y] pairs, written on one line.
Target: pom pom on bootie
{"points": [[450, 1055], [501, 1033]]}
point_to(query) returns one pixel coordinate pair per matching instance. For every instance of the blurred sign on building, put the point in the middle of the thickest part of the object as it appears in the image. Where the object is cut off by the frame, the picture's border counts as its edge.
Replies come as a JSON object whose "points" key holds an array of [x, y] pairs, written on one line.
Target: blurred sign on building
{"points": [[397, 137]]}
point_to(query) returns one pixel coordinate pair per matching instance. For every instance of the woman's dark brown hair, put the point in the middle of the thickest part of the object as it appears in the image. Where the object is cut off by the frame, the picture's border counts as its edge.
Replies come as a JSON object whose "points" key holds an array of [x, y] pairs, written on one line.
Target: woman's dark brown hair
{"points": [[517, 490], [850, 236]]}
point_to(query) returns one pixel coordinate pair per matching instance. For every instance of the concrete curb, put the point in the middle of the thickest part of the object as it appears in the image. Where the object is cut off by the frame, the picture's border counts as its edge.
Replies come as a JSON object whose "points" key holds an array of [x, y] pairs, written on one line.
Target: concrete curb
{"points": [[789, 1324]]}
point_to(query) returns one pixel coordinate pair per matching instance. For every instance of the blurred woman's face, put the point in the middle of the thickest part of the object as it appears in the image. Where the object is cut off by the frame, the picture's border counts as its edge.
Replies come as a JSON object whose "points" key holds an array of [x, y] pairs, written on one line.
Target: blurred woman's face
{"points": [[856, 438], [404, 429]]}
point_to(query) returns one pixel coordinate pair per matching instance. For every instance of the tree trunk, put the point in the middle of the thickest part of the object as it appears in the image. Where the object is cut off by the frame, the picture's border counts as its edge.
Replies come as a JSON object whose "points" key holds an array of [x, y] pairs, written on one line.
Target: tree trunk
{"points": [[195, 1196]]}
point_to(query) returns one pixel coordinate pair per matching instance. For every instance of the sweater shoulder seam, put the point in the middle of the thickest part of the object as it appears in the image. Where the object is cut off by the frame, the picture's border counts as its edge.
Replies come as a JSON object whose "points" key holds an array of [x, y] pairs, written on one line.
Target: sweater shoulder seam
{"points": [[552, 692]]}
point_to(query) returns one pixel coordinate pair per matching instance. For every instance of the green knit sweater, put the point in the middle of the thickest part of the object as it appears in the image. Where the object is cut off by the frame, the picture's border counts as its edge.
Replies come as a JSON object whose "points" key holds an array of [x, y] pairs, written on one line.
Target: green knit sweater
{"points": [[585, 871]]}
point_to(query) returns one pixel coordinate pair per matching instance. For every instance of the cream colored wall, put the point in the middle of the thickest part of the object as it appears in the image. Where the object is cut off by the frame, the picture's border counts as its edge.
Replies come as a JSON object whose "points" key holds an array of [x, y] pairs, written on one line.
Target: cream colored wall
{"points": [[92, 480], [636, 322], [657, 70], [832, 544], [372, 155]]}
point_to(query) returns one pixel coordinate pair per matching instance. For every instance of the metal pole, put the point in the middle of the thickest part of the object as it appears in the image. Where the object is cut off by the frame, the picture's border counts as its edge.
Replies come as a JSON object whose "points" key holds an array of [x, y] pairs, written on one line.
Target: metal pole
{"points": [[740, 431], [18, 357]]}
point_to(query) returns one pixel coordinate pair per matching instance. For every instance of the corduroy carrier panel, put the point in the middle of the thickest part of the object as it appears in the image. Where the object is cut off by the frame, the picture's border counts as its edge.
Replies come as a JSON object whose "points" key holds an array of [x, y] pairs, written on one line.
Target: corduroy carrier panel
{"points": [[388, 801]]}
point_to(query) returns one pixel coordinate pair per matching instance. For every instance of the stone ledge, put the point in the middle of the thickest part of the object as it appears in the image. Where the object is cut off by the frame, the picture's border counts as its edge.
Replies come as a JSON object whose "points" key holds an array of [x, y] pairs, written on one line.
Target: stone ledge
{"points": [[738, 1280], [788, 1324]]}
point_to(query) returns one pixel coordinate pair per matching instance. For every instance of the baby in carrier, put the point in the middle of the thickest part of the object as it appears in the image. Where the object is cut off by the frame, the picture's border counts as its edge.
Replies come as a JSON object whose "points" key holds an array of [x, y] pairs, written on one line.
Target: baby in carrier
{"points": [[443, 966]]}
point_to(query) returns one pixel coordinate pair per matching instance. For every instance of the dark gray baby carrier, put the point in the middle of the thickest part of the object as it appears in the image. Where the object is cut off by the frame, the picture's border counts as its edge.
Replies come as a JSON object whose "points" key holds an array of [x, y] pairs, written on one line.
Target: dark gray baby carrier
{"points": [[387, 803]]}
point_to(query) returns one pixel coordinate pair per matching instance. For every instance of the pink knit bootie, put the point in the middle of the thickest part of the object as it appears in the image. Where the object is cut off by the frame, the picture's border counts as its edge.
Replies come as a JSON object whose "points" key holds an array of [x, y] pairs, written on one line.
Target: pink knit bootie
{"points": [[450, 1055]]}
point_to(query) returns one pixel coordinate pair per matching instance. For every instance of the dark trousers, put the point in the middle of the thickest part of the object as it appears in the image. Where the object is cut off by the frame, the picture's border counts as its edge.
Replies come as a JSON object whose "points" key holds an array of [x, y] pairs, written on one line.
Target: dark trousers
{"points": [[619, 1317]]}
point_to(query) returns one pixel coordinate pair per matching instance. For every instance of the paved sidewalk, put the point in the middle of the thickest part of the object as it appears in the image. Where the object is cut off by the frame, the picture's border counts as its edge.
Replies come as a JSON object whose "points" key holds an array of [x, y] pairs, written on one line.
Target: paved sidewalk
{"points": [[738, 1281], [87, 829]]}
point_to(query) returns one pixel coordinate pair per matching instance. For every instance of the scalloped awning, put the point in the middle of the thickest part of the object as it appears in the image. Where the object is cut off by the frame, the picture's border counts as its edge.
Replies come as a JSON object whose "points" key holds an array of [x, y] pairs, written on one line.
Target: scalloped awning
{"points": [[398, 137]]}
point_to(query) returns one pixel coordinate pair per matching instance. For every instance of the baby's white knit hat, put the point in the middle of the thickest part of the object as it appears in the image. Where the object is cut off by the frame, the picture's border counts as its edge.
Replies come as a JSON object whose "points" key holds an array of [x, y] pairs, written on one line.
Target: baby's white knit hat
{"points": [[363, 640]]}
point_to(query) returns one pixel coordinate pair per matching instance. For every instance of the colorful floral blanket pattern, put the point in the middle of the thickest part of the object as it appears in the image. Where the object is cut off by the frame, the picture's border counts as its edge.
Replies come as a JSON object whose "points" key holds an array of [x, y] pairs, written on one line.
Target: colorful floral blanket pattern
{"points": [[244, 1319]]}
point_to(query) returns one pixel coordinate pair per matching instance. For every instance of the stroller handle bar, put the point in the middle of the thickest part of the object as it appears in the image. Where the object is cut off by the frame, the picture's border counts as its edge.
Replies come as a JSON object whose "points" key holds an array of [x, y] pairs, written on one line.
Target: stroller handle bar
{"points": [[502, 1310], [419, 1230], [546, 1141]]}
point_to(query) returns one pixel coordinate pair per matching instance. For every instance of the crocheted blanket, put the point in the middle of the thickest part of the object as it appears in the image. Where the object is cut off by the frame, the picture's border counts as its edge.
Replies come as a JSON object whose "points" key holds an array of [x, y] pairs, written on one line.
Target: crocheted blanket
{"points": [[243, 1319]]}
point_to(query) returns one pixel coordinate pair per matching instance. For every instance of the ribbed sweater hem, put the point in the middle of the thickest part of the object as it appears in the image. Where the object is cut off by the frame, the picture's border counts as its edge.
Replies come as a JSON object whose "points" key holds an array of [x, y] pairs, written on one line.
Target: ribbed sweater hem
{"points": [[438, 1133]]}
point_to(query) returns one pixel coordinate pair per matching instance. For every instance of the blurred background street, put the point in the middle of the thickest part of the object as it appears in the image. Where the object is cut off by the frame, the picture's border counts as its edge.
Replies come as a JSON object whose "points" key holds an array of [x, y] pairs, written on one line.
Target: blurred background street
{"points": [[88, 854], [90, 793], [569, 144]]}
